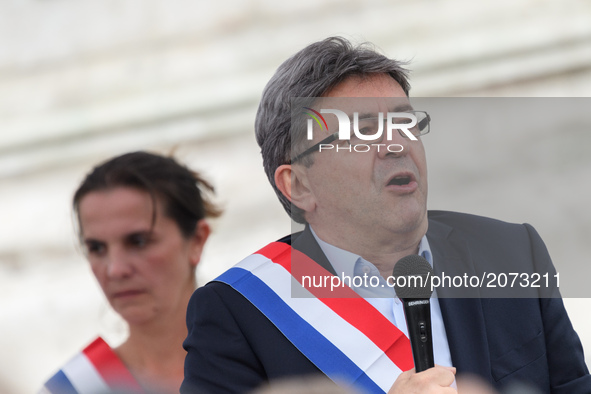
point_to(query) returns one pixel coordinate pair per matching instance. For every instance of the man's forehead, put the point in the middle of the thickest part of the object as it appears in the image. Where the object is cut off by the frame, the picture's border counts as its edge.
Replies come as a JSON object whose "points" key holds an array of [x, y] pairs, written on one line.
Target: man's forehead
{"points": [[364, 105], [371, 93]]}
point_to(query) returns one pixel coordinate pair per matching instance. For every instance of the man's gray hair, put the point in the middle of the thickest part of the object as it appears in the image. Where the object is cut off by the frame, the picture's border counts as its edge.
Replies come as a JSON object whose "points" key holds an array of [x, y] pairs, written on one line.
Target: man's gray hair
{"points": [[311, 72]]}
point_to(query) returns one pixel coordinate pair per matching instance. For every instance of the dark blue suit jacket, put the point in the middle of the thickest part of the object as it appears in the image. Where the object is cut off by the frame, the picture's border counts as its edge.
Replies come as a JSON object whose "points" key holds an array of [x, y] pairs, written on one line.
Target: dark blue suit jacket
{"points": [[233, 348]]}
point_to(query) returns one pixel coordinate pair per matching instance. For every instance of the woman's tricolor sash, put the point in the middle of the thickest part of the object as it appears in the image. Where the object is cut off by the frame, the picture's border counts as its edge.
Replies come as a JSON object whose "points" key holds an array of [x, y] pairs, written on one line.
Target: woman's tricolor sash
{"points": [[96, 369], [342, 334]]}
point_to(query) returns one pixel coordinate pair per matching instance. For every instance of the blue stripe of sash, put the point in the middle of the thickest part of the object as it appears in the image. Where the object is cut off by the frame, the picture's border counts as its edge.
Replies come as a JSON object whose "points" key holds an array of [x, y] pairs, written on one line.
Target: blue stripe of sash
{"points": [[60, 384], [319, 350]]}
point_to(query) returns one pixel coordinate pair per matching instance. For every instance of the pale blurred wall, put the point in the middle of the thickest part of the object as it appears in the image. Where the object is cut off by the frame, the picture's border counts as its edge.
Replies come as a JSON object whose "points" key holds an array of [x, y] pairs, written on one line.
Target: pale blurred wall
{"points": [[83, 80]]}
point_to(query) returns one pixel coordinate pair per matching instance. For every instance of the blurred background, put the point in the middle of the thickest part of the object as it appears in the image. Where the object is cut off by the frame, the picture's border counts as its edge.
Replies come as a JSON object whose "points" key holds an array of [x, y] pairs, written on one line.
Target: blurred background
{"points": [[81, 81]]}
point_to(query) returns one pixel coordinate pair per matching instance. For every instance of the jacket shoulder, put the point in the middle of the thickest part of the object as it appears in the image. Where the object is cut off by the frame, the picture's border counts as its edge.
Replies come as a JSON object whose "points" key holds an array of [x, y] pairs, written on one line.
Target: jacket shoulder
{"points": [[474, 227], [459, 219]]}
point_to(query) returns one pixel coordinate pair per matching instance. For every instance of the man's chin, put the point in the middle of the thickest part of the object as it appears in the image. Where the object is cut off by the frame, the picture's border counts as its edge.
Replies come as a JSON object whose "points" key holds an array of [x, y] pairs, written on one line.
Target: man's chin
{"points": [[411, 221]]}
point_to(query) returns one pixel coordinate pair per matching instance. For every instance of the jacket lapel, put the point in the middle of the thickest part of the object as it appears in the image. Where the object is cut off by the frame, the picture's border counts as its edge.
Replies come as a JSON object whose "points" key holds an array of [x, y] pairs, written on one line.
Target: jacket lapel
{"points": [[463, 317]]}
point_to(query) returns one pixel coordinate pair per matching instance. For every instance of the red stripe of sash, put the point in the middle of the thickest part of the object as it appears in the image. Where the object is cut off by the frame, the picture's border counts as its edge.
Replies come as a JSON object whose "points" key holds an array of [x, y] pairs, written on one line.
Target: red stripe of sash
{"points": [[346, 303], [110, 367]]}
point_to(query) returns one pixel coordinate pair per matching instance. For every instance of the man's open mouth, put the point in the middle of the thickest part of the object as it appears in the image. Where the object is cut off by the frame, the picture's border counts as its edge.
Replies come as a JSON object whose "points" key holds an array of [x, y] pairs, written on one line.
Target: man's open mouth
{"points": [[400, 180]]}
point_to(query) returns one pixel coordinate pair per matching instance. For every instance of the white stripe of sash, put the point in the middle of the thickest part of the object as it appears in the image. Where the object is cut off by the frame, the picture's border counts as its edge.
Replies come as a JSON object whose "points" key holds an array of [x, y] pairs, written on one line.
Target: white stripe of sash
{"points": [[84, 376], [352, 342]]}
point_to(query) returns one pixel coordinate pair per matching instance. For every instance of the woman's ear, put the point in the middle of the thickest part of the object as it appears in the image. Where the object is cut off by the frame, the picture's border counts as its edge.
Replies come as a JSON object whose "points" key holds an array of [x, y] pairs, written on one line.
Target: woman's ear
{"points": [[198, 240], [292, 181]]}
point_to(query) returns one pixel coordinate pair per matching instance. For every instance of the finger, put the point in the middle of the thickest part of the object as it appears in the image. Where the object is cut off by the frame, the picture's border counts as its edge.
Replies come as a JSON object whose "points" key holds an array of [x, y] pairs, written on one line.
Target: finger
{"points": [[452, 369]]}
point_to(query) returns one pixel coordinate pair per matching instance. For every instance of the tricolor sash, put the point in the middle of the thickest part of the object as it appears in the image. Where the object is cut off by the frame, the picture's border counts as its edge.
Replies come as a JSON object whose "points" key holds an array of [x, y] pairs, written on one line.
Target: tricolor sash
{"points": [[344, 336], [96, 369]]}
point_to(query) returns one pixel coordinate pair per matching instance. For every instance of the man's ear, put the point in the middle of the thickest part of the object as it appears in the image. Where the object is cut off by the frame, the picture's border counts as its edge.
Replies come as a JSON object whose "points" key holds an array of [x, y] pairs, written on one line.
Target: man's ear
{"points": [[293, 183]]}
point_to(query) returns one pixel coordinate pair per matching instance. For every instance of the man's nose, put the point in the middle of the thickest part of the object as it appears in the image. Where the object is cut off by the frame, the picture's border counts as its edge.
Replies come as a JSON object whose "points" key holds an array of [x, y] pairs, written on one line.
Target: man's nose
{"points": [[394, 145]]}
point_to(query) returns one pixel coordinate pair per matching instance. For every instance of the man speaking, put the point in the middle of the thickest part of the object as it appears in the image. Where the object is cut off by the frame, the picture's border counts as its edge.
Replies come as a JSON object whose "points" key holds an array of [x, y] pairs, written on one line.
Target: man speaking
{"points": [[341, 146]]}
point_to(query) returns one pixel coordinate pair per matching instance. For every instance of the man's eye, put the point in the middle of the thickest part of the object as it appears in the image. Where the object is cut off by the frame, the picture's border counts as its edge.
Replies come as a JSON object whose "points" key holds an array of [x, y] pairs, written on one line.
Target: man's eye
{"points": [[368, 130], [401, 120], [368, 127]]}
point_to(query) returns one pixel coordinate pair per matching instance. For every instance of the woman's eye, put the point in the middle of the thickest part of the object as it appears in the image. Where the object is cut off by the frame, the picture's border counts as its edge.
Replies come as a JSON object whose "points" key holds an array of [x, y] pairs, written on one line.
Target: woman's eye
{"points": [[138, 240], [95, 248]]}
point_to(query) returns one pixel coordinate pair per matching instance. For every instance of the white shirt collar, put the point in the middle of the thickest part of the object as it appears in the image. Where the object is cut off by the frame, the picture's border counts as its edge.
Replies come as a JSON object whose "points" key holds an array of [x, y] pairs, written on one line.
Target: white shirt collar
{"points": [[344, 261]]}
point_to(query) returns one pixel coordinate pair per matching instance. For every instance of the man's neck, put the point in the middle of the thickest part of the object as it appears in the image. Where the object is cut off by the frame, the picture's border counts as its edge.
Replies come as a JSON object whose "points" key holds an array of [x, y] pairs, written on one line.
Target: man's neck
{"points": [[383, 252]]}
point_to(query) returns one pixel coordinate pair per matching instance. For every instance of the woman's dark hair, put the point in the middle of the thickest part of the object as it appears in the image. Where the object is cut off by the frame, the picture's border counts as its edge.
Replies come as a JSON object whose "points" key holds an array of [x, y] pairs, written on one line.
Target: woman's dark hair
{"points": [[183, 193]]}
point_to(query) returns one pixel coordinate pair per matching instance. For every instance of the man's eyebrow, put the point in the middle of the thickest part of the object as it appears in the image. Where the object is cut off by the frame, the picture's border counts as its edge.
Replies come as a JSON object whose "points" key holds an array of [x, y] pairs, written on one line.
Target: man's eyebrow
{"points": [[399, 108], [402, 108], [366, 115]]}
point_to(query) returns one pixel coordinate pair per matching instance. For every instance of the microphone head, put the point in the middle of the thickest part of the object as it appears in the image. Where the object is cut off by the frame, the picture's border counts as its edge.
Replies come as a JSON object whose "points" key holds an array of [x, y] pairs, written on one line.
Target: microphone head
{"points": [[413, 277]]}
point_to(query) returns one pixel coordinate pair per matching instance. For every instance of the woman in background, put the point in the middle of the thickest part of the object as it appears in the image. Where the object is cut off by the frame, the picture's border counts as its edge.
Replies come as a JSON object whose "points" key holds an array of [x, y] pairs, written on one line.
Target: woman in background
{"points": [[142, 224]]}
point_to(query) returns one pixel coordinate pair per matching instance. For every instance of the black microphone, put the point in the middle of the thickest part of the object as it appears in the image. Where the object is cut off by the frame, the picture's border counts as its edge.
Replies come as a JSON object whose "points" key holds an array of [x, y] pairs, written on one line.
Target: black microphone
{"points": [[413, 286]]}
